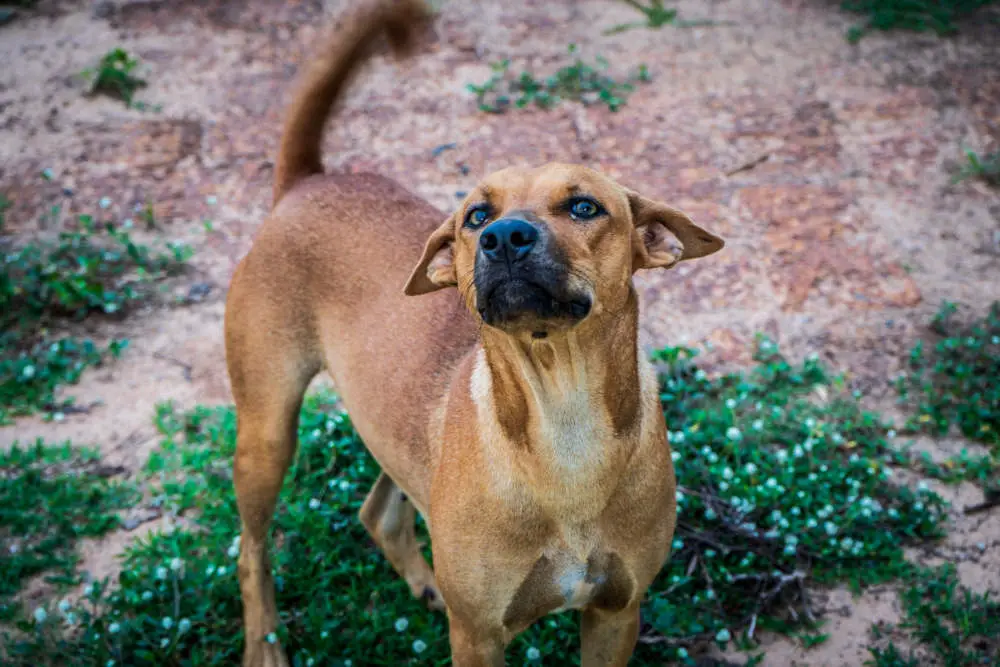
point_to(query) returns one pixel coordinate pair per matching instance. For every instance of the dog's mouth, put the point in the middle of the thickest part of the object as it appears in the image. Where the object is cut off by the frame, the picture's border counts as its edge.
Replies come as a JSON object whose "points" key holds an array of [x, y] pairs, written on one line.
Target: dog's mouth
{"points": [[522, 304]]}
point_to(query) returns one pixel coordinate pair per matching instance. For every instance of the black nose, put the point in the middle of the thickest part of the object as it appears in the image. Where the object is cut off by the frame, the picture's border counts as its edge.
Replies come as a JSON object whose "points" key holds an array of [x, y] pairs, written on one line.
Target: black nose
{"points": [[508, 240]]}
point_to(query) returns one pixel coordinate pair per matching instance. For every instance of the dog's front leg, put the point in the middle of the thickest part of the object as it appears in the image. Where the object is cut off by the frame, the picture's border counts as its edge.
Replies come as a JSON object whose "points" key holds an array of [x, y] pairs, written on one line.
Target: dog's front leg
{"points": [[475, 647], [609, 637]]}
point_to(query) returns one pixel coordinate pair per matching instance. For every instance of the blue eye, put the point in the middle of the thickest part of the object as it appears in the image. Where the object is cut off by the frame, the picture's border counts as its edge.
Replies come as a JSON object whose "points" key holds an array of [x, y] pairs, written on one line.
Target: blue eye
{"points": [[584, 209], [477, 217]]}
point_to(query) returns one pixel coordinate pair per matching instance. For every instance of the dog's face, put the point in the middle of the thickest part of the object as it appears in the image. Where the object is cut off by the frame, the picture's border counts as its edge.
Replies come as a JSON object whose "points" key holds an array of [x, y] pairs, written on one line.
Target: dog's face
{"points": [[542, 249]]}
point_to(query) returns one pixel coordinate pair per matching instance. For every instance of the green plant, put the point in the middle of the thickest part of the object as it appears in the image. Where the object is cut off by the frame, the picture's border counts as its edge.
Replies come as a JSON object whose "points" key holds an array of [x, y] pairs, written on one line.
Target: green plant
{"points": [[917, 15], [115, 76], [956, 383], [97, 268], [958, 627], [657, 16], [777, 487], [985, 168], [50, 496], [579, 81]]}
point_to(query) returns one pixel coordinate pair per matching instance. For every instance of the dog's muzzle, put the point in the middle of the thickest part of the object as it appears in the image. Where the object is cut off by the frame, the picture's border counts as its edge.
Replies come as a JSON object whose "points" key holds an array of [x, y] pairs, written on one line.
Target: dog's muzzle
{"points": [[521, 279]]}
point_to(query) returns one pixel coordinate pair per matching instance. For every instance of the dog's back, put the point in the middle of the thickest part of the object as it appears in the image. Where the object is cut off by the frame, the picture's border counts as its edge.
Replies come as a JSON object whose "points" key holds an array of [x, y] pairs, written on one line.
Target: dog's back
{"points": [[323, 284]]}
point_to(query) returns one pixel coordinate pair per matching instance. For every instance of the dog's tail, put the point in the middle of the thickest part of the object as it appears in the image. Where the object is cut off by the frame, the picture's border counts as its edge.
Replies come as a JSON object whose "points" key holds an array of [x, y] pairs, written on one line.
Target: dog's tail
{"points": [[325, 79]]}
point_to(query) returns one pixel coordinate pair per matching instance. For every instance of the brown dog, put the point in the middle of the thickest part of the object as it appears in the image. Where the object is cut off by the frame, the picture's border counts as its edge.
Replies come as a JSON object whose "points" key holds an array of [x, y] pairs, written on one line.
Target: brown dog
{"points": [[522, 421]]}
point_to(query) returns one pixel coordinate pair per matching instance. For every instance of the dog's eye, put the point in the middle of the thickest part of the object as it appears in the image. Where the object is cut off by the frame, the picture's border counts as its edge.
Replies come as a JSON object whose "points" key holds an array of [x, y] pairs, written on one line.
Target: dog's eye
{"points": [[584, 209], [477, 217]]}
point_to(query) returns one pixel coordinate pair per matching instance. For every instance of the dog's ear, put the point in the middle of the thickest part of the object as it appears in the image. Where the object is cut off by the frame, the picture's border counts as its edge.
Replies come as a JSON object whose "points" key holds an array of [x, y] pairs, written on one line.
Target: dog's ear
{"points": [[436, 269], [652, 243]]}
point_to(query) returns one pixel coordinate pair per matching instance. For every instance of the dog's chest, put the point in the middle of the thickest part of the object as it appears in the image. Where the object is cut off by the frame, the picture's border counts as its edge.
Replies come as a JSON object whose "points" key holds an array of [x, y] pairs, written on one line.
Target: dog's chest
{"points": [[561, 580]]}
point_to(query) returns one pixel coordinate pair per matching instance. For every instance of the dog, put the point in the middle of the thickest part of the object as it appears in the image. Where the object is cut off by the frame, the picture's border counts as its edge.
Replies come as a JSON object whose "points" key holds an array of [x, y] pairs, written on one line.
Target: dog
{"points": [[521, 420]]}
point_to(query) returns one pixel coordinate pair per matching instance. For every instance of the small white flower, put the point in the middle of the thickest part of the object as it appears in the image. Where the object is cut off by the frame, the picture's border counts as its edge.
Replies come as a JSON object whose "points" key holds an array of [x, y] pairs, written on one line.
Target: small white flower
{"points": [[789, 550], [733, 433], [771, 482], [161, 573], [183, 626], [28, 372], [233, 551], [314, 504], [63, 605], [713, 457], [164, 642], [758, 425], [533, 654], [211, 200], [853, 458], [830, 528], [47, 173], [271, 638], [221, 571], [723, 486], [808, 444], [676, 456], [40, 615], [813, 477], [419, 646], [918, 507], [105, 202], [922, 486], [402, 624], [750, 468], [811, 523], [781, 455], [710, 514], [678, 544], [682, 653], [796, 511], [679, 495], [798, 452], [210, 570], [147, 595], [727, 473], [677, 437], [723, 636], [730, 403], [810, 423], [114, 628], [88, 590], [167, 623], [891, 433], [700, 375]]}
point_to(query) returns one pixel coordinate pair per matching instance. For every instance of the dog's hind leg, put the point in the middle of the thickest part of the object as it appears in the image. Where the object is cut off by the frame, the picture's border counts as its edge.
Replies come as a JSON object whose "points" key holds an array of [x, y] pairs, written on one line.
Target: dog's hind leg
{"points": [[391, 520], [270, 369]]}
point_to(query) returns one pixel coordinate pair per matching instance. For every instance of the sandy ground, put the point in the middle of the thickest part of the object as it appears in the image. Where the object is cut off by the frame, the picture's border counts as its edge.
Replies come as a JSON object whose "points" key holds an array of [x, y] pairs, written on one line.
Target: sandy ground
{"points": [[844, 241]]}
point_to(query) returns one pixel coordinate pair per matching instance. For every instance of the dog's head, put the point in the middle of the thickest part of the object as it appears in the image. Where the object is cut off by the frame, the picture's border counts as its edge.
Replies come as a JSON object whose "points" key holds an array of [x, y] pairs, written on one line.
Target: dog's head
{"points": [[541, 249]]}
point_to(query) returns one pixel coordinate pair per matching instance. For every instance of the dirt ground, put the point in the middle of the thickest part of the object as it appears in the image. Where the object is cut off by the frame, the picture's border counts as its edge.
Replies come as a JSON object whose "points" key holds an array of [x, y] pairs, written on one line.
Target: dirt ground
{"points": [[844, 241]]}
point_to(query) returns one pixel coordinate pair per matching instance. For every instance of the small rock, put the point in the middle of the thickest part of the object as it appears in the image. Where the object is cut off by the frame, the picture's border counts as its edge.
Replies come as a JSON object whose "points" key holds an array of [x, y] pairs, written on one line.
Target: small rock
{"points": [[199, 291], [103, 9]]}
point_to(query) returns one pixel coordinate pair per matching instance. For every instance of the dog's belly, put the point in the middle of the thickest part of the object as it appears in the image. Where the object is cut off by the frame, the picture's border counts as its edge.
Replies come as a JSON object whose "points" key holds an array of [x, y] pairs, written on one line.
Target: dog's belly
{"points": [[562, 581]]}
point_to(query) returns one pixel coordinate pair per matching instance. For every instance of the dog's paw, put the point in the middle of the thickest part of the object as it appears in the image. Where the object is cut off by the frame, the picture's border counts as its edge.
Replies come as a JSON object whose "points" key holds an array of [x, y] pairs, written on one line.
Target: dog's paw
{"points": [[432, 597], [264, 654]]}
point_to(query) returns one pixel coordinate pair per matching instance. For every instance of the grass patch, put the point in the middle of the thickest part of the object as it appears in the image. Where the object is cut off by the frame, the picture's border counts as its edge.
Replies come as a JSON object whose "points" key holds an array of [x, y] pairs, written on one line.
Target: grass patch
{"points": [[579, 82], [985, 168], [50, 496], [657, 16], [96, 268], [115, 76], [954, 386], [783, 480], [939, 16], [959, 628]]}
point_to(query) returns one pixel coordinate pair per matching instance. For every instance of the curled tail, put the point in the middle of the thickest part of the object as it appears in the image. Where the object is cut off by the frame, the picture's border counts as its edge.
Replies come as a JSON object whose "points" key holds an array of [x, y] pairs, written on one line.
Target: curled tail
{"points": [[324, 81]]}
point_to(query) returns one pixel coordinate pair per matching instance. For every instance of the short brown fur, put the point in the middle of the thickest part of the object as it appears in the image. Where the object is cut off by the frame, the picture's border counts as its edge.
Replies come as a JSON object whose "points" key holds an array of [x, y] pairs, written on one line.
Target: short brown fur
{"points": [[536, 451]]}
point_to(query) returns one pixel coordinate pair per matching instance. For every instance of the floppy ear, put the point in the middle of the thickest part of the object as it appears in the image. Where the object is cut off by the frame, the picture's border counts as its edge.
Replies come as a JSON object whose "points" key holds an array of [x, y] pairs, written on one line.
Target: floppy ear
{"points": [[436, 269], [654, 222]]}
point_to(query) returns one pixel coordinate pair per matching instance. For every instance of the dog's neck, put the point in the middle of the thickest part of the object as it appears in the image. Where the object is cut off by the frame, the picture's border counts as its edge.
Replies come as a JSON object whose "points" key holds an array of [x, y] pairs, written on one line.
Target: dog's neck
{"points": [[562, 403]]}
